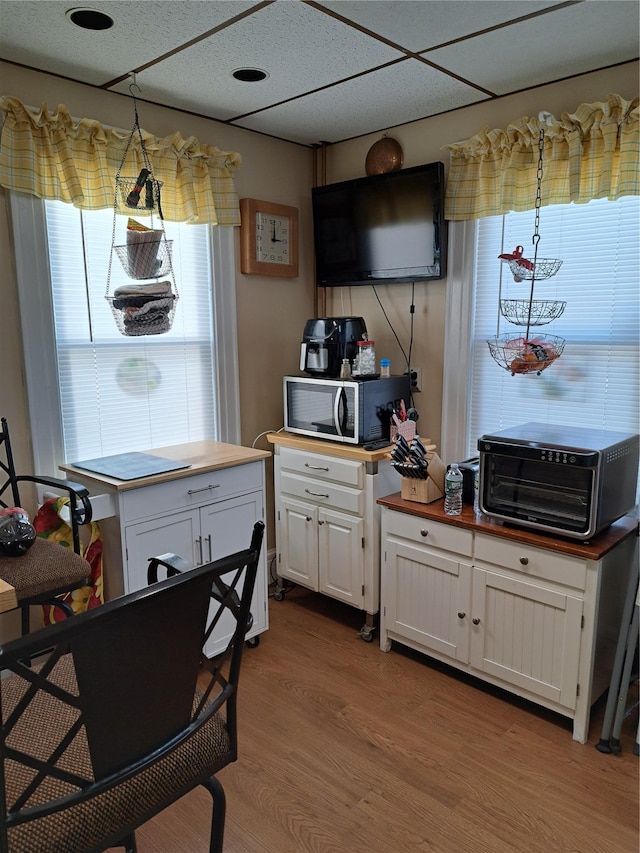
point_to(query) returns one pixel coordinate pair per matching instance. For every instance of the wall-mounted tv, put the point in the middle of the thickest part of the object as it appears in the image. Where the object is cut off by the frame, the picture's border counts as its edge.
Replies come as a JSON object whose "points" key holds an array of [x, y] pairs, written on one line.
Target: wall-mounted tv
{"points": [[381, 229]]}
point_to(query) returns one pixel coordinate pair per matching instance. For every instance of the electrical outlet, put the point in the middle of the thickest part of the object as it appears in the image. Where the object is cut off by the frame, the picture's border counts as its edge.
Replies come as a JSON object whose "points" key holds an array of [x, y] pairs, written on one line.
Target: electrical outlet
{"points": [[416, 379]]}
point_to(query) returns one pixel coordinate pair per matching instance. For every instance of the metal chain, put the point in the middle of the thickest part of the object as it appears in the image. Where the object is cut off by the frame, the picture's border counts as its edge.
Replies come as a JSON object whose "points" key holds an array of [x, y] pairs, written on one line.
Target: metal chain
{"points": [[536, 231]]}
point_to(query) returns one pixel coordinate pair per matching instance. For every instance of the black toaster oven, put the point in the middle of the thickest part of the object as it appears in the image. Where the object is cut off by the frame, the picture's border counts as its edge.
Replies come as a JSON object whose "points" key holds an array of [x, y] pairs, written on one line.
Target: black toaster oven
{"points": [[568, 480]]}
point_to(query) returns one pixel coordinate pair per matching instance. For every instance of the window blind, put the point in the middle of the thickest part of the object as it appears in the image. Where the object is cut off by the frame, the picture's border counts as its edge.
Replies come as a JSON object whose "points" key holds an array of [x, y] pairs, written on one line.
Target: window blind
{"points": [[595, 381], [117, 393]]}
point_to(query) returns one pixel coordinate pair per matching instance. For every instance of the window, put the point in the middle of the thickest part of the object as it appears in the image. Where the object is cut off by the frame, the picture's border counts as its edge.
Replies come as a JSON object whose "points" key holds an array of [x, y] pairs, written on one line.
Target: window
{"points": [[596, 380], [94, 392]]}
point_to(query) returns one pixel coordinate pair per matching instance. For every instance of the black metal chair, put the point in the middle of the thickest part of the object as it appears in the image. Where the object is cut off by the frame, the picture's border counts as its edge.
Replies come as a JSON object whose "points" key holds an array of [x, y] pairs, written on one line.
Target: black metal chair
{"points": [[126, 715], [46, 570]]}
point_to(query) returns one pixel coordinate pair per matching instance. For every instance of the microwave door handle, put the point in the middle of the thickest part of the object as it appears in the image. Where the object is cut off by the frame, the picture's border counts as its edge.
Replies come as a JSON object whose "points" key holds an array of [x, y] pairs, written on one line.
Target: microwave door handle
{"points": [[337, 400]]}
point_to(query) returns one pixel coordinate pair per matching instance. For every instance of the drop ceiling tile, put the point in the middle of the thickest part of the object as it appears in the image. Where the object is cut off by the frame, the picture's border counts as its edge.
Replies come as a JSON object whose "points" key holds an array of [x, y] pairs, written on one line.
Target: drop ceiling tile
{"points": [[421, 25], [394, 95], [38, 34], [563, 43], [300, 48]]}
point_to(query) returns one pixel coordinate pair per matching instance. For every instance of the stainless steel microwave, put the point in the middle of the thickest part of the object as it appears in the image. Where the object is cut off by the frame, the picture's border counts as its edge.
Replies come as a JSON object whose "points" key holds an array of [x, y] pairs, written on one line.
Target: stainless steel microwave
{"points": [[568, 480], [352, 411]]}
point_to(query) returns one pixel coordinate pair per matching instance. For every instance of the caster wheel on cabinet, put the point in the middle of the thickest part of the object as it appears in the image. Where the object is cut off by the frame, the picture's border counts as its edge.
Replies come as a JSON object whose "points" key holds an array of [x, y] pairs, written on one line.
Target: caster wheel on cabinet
{"points": [[278, 594], [366, 632], [253, 642]]}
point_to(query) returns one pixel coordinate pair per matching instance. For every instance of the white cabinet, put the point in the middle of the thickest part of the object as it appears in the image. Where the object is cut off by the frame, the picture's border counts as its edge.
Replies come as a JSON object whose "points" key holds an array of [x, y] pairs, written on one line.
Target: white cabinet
{"points": [[530, 619], [202, 513], [327, 520]]}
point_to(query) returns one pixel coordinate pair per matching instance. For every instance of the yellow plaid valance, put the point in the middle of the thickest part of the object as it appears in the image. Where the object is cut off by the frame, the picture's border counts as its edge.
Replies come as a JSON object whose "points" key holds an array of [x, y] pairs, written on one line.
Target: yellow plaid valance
{"points": [[592, 153], [53, 156]]}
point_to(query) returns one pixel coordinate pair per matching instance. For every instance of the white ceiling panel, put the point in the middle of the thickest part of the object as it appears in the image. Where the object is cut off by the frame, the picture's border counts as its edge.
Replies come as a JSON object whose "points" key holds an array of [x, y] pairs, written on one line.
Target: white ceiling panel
{"points": [[561, 44], [418, 26], [40, 35], [336, 69], [394, 95], [298, 46]]}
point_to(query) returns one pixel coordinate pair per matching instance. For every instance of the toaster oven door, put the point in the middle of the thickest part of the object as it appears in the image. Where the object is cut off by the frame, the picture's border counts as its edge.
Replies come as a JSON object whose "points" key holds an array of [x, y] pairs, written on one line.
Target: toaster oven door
{"points": [[544, 495]]}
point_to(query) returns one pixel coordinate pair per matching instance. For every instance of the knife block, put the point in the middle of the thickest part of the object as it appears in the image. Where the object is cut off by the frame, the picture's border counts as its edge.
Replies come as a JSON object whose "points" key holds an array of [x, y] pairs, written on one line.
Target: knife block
{"points": [[429, 490]]}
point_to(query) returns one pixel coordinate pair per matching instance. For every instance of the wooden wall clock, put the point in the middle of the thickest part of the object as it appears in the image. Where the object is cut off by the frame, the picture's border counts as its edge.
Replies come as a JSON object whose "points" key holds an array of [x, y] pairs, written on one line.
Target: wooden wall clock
{"points": [[268, 238]]}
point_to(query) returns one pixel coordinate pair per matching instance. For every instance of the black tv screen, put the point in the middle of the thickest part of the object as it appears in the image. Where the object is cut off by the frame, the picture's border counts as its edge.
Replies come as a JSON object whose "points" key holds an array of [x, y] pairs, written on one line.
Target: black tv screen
{"points": [[381, 229]]}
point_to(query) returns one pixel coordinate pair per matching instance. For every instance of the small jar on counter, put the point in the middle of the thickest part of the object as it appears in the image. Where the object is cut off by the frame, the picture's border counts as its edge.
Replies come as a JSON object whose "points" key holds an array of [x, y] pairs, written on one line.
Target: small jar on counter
{"points": [[385, 367], [345, 369], [365, 364]]}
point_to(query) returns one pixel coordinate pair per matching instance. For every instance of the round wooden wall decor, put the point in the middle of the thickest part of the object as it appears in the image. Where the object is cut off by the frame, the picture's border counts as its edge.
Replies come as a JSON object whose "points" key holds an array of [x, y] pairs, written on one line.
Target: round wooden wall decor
{"points": [[385, 155]]}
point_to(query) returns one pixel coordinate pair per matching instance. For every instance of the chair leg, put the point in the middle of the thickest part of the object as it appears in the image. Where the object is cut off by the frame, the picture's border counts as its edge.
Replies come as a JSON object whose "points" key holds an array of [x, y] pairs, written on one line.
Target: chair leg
{"points": [[24, 619], [129, 843], [219, 813]]}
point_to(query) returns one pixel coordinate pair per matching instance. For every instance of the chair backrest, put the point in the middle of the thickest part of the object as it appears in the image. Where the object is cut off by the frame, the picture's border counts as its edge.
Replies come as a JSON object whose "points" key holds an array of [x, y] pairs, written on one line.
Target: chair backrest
{"points": [[136, 663], [8, 468], [80, 510]]}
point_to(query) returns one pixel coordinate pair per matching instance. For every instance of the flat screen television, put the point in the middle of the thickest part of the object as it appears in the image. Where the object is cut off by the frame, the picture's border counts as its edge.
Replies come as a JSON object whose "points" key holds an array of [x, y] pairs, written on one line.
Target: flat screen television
{"points": [[381, 229]]}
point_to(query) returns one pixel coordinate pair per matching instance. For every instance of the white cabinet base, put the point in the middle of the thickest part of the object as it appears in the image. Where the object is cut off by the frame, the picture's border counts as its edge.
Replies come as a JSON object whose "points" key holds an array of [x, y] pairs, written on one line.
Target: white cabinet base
{"points": [[200, 513], [517, 610]]}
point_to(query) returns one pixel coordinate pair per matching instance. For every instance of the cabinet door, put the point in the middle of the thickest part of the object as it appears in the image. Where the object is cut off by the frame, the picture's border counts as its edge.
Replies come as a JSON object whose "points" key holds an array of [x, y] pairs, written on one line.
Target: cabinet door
{"points": [[426, 597], [226, 527], [526, 634], [341, 557], [175, 533], [298, 542]]}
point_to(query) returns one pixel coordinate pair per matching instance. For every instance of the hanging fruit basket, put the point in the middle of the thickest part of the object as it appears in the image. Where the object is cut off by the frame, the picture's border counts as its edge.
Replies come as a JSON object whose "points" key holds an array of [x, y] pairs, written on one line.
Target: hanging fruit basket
{"points": [[146, 305], [521, 312], [525, 353], [541, 269]]}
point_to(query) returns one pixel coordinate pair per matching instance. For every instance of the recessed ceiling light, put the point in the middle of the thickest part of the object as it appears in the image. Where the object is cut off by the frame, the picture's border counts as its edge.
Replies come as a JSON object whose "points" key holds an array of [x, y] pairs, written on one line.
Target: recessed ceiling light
{"points": [[250, 75], [89, 19]]}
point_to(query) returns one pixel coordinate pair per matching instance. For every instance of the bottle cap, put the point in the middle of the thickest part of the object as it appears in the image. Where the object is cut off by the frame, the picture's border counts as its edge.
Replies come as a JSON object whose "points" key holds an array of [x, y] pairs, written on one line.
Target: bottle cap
{"points": [[385, 362]]}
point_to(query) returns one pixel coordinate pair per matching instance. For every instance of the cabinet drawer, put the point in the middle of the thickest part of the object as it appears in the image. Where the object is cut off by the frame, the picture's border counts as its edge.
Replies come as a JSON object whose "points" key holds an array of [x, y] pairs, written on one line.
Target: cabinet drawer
{"points": [[531, 561], [347, 472], [191, 491], [432, 533], [323, 493]]}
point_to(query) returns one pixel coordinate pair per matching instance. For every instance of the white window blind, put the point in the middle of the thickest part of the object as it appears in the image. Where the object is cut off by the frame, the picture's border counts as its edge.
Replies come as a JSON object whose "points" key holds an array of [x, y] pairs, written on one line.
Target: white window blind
{"points": [[595, 381], [118, 393]]}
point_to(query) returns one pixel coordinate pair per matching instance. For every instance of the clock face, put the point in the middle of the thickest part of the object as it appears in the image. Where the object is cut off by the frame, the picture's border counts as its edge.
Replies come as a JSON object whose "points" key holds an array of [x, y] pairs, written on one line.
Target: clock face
{"points": [[272, 238]]}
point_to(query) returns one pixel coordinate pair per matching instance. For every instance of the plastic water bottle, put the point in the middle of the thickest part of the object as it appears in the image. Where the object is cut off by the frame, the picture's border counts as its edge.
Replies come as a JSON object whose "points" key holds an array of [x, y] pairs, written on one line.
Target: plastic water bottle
{"points": [[453, 491]]}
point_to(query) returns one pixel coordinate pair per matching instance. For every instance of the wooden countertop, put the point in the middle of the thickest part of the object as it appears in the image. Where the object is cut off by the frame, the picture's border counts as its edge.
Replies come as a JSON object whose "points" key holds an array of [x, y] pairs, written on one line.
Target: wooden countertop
{"points": [[594, 550], [333, 448], [202, 456]]}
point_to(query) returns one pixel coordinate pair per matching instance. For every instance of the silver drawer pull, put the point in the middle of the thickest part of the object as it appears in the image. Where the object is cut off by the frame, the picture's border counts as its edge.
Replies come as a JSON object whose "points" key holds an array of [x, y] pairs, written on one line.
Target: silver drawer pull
{"points": [[315, 494], [424, 532], [461, 614], [315, 467], [524, 561], [476, 621], [206, 489]]}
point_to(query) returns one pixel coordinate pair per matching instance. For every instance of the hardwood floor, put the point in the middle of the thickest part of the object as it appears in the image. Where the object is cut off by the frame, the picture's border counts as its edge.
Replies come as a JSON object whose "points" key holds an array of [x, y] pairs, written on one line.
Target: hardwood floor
{"points": [[344, 749]]}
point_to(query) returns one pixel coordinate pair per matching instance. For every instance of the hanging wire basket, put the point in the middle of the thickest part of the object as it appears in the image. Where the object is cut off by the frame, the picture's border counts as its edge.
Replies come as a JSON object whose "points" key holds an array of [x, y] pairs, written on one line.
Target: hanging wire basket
{"points": [[541, 269], [140, 194], [521, 355], [145, 310], [146, 258], [537, 312]]}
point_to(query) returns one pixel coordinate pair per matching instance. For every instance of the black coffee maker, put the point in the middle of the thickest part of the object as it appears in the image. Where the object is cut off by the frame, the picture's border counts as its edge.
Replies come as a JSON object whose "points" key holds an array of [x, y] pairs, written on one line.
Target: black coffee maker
{"points": [[326, 341]]}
